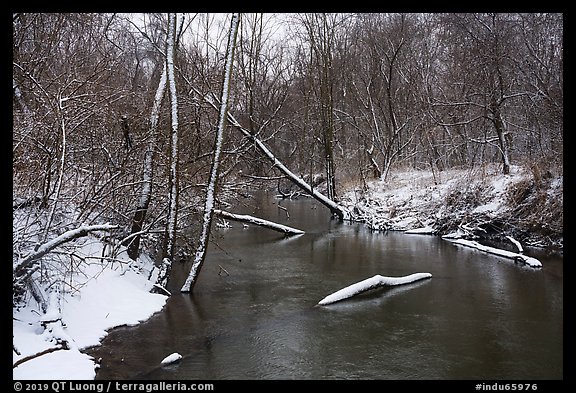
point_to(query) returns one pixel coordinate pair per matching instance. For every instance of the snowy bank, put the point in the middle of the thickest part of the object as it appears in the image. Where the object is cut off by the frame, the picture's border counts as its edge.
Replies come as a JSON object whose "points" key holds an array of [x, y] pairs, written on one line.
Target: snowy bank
{"points": [[479, 202], [100, 295], [532, 262], [427, 230], [371, 283]]}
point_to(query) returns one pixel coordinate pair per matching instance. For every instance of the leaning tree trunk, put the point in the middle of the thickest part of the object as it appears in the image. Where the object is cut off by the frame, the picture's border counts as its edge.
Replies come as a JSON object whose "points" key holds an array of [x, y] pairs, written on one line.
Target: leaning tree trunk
{"points": [[335, 208], [200, 255], [146, 192], [173, 194]]}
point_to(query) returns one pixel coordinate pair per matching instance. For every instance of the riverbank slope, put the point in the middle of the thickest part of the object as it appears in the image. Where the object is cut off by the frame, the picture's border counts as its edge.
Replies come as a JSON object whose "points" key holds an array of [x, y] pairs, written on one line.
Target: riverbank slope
{"points": [[526, 205], [88, 295]]}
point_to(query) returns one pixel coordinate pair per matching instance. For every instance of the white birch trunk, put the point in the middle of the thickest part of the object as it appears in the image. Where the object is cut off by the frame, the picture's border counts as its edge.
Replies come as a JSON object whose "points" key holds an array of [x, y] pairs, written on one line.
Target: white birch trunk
{"points": [[149, 155], [173, 200], [148, 173], [18, 94], [211, 190]]}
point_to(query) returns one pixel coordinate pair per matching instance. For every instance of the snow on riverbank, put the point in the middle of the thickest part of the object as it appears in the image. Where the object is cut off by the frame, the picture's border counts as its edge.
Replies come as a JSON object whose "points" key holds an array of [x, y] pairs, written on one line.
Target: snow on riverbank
{"points": [[100, 295], [472, 202]]}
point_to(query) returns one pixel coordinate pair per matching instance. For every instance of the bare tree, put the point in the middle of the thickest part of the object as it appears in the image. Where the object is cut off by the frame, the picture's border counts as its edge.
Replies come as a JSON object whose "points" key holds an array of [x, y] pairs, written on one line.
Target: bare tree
{"points": [[385, 87], [173, 178], [487, 82], [200, 255], [148, 172], [321, 34]]}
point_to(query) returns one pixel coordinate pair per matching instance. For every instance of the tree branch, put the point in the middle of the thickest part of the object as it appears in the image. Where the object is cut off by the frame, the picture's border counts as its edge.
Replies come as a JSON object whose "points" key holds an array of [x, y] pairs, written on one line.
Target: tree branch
{"points": [[52, 244], [258, 221]]}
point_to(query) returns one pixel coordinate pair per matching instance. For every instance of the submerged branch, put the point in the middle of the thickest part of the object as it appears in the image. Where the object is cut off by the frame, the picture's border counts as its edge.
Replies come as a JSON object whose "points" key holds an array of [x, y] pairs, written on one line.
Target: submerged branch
{"points": [[258, 221]]}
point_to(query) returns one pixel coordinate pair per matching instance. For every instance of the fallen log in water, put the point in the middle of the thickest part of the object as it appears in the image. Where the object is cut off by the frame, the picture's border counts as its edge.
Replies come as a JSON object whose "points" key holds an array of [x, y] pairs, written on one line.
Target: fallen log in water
{"points": [[258, 221], [172, 358], [371, 283], [532, 262]]}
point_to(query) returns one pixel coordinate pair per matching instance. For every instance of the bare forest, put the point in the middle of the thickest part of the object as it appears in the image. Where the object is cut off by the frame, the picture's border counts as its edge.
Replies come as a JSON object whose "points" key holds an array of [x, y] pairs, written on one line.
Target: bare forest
{"points": [[135, 128]]}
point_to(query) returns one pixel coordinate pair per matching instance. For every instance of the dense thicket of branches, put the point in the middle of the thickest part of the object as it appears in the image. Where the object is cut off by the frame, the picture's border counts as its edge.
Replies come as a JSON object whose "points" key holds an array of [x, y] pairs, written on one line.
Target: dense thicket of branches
{"points": [[346, 95]]}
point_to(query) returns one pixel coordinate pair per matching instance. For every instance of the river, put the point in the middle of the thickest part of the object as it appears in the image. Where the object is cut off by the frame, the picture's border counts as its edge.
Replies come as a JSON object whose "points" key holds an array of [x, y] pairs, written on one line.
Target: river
{"points": [[253, 313]]}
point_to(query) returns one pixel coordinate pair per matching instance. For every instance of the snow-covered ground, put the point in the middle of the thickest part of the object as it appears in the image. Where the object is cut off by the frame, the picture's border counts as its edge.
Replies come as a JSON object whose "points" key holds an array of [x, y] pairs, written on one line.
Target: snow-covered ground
{"points": [[465, 201], [97, 295]]}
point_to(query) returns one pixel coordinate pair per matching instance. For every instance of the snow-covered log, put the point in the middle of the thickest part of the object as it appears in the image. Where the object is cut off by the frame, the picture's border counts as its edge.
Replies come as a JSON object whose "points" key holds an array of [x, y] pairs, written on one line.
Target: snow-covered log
{"points": [[258, 221], [52, 244], [532, 262], [371, 283], [342, 212], [171, 358], [428, 230], [334, 207]]}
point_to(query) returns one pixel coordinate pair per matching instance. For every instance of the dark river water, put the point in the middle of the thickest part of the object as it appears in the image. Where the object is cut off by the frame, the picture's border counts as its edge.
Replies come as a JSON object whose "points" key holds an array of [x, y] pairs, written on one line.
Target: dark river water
{"points": [[478, 317]]}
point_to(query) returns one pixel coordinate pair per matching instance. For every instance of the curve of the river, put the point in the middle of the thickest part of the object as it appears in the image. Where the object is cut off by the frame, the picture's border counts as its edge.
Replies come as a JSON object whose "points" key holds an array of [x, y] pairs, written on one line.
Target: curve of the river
{"points": [[478, 317]]}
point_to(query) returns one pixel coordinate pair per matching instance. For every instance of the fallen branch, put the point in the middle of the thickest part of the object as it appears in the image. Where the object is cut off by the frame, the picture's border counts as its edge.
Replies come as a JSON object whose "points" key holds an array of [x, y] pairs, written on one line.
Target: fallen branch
{"points": [[45, 248], [285, 210], [258, 221], [426, 230], [371, 283], [162, 279], [264, 177], [222, 270], [37, 355], [532, 262], [516, 243], [334, 207]]}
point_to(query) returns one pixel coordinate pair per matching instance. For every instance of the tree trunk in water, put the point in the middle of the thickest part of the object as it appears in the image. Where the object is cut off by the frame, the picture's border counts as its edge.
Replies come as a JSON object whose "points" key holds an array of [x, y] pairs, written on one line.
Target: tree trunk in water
{"points": [[200, 255]]}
